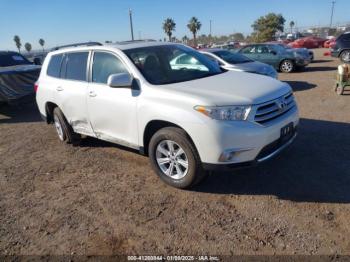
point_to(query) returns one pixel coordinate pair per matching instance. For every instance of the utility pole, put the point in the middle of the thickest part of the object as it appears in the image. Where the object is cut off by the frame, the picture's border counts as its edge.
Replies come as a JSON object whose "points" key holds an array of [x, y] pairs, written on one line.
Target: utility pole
{"points": [[131, 28], [333, 3], [209, 31]]}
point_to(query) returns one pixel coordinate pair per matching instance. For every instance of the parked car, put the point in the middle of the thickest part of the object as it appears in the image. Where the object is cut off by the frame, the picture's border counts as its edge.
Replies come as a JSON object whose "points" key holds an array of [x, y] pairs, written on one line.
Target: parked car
{"points": [[17, 76], [308, 42], [302, 51], [238, 62], [329, 43], [186, 120], [277, 56], [341, 48]]}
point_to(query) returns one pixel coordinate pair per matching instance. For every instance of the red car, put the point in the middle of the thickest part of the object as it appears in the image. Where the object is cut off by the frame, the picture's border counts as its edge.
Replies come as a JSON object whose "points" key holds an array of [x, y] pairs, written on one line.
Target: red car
{"points": [[329, 43], [308, 42]]}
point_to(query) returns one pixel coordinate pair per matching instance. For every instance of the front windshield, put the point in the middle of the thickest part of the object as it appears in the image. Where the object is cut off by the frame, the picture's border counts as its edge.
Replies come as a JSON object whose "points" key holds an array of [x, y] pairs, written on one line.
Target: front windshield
{"points": [[12, 59], [232, 58], [168, 64]]}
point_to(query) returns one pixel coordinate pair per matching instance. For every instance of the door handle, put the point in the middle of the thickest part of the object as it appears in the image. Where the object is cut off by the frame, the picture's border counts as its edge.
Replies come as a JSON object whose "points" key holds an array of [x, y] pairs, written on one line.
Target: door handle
{"points": [[92, 94], [59, 88]]}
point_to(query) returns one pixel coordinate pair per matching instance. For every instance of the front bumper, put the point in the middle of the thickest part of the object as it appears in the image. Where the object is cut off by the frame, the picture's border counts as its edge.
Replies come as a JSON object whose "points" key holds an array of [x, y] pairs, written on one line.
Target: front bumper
{"points": [[268, 152], [246, 138]]}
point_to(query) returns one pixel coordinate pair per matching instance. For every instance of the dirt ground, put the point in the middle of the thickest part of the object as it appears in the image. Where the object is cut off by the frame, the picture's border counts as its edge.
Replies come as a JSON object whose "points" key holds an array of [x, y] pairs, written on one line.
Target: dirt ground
{"points": [[99, 198]]}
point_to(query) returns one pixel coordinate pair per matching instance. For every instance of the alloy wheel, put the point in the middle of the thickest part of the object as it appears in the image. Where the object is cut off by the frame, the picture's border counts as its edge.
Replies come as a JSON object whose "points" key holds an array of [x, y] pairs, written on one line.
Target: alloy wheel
{"points": [[287, 66], [345, 56], [172, 159]]}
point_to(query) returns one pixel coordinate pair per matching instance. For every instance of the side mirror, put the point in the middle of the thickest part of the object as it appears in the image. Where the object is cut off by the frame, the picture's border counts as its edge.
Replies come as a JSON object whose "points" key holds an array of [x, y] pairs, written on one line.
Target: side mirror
{"points": [[37, 61], [120, 80], [273, 52]]}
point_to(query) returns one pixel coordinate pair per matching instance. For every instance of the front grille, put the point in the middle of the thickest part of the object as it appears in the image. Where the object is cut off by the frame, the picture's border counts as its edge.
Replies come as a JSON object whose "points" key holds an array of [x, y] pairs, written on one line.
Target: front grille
{"points": [[274, 109]]}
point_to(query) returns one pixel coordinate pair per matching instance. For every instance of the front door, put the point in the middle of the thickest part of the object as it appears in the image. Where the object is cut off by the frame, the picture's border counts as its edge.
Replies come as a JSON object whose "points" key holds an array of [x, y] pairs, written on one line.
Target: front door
{"points": [[112, 111]]}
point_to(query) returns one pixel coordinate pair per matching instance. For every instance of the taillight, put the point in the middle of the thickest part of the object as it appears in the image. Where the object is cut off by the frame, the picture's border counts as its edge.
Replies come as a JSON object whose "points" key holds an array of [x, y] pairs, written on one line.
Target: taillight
{"points": [[36, 86]]}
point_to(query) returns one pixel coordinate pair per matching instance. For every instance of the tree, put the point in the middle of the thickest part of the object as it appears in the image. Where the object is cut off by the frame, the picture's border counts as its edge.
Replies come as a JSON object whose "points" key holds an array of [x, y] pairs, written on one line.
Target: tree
{"points": [[168, 27], [28, 47], [291, 24], [238, 37], [42, 43], [194, 26], [18, 42], [266, 27], [184, 39]]}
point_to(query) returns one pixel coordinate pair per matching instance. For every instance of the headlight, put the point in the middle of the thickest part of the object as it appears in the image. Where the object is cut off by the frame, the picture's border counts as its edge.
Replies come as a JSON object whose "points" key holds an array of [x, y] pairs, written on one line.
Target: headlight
{"points": [[228, 113]]}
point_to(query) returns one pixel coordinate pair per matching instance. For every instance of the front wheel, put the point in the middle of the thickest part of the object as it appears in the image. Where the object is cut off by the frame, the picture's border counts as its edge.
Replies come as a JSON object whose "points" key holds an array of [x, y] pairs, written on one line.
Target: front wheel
{"points": [[174, 158], [287, 66], [345, 56]]}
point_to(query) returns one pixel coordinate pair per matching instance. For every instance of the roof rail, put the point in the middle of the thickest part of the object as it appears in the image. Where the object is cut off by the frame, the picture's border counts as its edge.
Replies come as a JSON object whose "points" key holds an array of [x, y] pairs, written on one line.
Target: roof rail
{"points": [[77, 44], [135, 41]]}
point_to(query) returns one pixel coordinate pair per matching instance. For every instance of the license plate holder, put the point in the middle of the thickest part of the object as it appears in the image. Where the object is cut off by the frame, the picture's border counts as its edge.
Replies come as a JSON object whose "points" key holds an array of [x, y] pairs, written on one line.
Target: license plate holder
{"points": [[287, 132]]}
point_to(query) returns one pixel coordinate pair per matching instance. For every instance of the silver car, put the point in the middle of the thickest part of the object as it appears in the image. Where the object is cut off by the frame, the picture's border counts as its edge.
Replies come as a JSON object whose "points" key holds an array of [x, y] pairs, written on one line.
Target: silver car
{"points": [[238, 62]]}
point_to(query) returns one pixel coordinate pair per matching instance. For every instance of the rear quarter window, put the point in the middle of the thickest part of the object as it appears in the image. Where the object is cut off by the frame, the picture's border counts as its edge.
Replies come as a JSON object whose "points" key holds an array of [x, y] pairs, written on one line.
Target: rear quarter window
{"points": [[54, 66]]}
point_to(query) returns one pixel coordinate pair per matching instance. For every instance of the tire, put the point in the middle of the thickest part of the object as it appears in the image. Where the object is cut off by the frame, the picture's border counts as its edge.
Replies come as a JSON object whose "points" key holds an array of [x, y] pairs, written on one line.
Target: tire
{"points": [[345, 56], [287, 66], [64, 130], [160, 148]]}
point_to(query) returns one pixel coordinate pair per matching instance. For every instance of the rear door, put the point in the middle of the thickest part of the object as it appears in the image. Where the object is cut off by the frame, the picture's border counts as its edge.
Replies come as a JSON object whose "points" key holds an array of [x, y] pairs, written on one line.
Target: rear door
{"points": [[71, 91]]}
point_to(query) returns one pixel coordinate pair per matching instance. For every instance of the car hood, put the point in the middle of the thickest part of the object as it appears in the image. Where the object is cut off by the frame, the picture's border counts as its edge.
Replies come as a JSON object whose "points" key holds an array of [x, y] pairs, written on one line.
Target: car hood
{"points": [[19, 68], [230, 88], [254, 67]]}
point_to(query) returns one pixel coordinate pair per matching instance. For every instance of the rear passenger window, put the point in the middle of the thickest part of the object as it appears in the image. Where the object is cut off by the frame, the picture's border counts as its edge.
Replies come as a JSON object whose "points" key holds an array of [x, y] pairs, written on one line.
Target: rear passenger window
{"points": [[75, 66], [54, 65], [104, 65]]}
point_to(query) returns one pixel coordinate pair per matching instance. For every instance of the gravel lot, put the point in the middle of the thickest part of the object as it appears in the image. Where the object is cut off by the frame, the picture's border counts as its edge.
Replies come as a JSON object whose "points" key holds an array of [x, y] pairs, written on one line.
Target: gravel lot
{"points": [[99, 198]]}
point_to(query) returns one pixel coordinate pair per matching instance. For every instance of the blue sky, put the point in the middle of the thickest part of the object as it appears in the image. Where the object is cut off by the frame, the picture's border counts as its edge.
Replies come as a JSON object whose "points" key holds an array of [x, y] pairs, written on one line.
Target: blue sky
{"points": [[67, 21]]}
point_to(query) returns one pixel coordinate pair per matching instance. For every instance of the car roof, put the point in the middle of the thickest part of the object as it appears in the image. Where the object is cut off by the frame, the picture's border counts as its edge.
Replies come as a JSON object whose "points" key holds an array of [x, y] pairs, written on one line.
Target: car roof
{"points": [[115, 46], [8, 53], [211, 50]]}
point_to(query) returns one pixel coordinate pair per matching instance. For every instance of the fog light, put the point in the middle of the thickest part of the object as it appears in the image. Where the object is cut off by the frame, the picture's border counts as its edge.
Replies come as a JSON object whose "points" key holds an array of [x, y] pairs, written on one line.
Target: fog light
{"points": [[229, 154]]}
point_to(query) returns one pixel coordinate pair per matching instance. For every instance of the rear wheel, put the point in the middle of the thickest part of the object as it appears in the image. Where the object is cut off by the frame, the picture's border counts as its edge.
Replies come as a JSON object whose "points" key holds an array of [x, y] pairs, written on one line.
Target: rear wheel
{"points": [[287, 66], [345, 56], [64, 130], [174, 158]]}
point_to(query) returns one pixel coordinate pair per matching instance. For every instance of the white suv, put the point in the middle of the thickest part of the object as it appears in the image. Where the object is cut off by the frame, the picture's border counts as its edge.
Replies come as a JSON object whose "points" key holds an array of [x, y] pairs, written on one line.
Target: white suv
{"points": [[188, 119]]}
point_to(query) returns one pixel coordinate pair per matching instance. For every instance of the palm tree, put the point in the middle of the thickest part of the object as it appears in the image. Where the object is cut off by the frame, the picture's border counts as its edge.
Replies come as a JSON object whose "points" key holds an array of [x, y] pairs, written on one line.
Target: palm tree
{"points": [[168, 27], [28, 47], [184, 39], [194, 25], [291, 24], [18, 42], [42, 43]]}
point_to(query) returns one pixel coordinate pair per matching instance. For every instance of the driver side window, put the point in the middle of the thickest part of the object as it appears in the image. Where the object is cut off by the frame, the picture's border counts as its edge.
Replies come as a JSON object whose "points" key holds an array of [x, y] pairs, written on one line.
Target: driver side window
{"points": [[104, 65]]}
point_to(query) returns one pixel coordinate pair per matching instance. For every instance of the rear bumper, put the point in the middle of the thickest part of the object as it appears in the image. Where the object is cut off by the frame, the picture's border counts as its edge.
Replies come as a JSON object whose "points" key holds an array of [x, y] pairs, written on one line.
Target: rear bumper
{"points": [[335, 53], [268, 152]]}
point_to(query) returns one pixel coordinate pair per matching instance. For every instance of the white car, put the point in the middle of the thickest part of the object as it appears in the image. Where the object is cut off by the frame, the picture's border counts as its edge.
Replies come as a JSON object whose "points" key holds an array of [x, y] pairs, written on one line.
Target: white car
{"points": [[186, 120], [230, 60]]}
